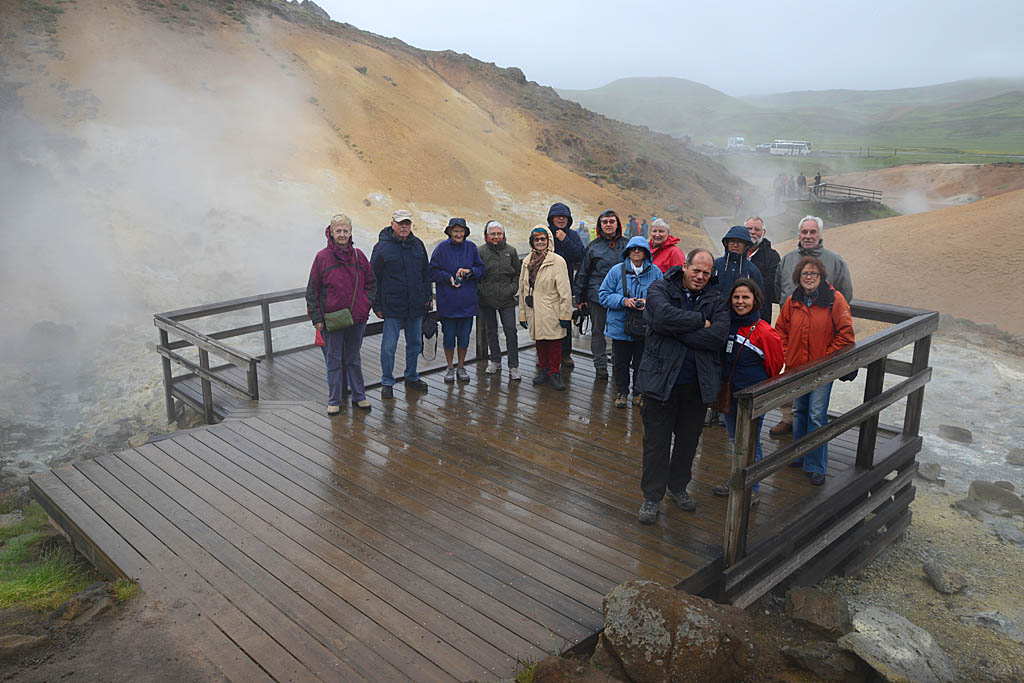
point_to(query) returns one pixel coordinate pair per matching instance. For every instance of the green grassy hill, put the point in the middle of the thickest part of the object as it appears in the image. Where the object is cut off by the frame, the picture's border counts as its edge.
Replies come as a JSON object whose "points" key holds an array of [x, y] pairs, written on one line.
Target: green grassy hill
{"points": [[979, 115]]}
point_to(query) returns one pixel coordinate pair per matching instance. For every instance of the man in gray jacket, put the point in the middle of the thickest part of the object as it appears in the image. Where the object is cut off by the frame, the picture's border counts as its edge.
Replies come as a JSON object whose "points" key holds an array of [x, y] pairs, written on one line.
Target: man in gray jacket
{"points": [[602, 253], [810, 243]]}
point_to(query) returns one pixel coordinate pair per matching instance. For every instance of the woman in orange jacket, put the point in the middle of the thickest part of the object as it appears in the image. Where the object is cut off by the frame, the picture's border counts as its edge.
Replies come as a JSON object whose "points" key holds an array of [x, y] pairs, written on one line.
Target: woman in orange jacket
{"points": [[814, 321]]}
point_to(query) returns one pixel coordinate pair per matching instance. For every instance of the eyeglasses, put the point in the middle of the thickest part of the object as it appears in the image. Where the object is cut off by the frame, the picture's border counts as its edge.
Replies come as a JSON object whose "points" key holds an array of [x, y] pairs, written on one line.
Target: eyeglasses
{"points": [[810, 275]]}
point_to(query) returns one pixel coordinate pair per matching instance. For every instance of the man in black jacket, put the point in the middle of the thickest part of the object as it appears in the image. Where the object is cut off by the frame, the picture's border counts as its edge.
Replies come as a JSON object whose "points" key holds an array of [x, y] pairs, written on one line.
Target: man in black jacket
{"points": [[766, 259], [687, 326]]}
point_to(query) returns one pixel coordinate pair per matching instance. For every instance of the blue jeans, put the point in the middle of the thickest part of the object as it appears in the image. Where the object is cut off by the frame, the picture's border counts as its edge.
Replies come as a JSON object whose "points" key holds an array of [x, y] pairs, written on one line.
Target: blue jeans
{"points": [[456, 330], [730, 427], [810, 412], [389, 344]]}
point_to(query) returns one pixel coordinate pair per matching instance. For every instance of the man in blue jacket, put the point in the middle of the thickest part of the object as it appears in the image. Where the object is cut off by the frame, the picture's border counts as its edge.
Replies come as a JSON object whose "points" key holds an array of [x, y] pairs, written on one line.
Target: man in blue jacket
{"points": [[400, 295], [687, 326], [569, 246]]}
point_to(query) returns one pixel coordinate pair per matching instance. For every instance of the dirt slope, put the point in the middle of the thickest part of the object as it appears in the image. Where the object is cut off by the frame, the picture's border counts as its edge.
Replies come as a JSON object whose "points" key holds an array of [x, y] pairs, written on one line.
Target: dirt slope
{"points": [[964, 260]]}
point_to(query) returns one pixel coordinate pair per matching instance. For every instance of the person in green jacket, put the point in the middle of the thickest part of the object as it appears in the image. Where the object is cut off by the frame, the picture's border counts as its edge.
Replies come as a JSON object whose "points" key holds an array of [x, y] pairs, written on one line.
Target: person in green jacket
{"points": [[498, 293]]}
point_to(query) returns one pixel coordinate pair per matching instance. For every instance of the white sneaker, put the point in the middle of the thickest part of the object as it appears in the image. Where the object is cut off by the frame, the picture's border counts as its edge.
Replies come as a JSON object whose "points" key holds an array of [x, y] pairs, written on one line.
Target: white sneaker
{"points": [[513, 373], [449, 376], [493, 367]]}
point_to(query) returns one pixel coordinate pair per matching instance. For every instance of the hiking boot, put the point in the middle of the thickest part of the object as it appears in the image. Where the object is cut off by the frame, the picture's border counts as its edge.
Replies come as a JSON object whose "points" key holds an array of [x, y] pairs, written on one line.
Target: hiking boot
{"points": [[449, 376], [648, 512], [720, 489], [683, 500], [387, 392], [781, 428], [493, 367], [556, 382], [362, 405], [620, 400], [568, 362], [602, 373], [417, 384], [463, 375], [541, 378], [817, 478], [513, 373], [638, 400], [333, 410]]}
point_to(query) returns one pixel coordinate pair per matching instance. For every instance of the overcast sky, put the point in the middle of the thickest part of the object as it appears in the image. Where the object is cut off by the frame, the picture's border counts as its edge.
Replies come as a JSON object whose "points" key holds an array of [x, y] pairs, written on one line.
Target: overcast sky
{"points": [[741, 47]]}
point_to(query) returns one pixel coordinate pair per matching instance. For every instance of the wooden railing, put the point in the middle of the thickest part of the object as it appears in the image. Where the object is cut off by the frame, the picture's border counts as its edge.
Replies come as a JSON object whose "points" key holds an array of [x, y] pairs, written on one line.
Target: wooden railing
{"points": [[846, 192], [912, 326]]}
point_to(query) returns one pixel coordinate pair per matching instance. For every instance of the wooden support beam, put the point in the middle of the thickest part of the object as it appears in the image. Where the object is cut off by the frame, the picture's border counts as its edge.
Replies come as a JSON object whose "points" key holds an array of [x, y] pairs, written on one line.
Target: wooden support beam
{"points": [[268, 338], [738, 507], [912, 417], [204, 363], [869, 428]]}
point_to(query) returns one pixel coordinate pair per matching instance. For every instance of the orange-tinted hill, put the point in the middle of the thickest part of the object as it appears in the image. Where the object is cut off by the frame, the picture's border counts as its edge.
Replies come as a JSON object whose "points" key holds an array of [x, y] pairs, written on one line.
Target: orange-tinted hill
{"points": [[964, 260]]}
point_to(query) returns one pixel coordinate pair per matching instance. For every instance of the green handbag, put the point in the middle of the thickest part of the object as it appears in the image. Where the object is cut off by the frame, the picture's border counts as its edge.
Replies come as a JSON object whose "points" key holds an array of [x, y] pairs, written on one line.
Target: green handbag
{"points": [[339, 320]]}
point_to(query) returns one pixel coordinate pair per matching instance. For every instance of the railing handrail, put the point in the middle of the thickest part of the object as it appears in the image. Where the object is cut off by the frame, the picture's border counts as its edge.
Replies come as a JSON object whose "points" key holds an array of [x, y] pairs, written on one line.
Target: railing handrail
{"points": [[204, 342], [219, 307]]}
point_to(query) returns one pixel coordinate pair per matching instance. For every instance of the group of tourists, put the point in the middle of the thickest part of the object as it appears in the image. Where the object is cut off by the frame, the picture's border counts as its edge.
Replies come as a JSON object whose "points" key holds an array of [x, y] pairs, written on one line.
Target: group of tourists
{"points": [[680, 325]]}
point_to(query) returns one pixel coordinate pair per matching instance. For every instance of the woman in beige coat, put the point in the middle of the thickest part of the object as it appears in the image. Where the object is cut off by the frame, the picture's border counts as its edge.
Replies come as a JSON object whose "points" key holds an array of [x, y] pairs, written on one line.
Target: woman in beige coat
{"points": [[545, 304]]}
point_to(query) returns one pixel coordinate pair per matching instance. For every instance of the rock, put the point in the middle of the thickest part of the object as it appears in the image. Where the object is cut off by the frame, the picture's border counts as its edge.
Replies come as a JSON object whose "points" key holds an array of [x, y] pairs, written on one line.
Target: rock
{"points": [[995, 499], [929, 470], [1015, 457], [944, 578], [897, 649], [1004, 485], [958, 434], [998, 623], [86, 603], [825, 612], [828, 661], [15, 644], [1006, 530], [971, 507], [661, 634], [558, 670], [605, 661], [10, 519]]}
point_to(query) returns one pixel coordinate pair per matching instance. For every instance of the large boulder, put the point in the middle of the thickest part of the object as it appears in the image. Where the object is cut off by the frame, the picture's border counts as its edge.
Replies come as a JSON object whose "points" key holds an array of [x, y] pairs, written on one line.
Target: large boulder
{"points": [[828, 661], [898, 650], [822, 611], [660, 634], [995, 499]]}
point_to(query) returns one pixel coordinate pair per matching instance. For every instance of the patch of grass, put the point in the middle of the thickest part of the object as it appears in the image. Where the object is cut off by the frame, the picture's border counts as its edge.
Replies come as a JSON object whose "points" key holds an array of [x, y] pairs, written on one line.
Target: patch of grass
{"points": [[126, 589], [35, 520], [39, 572], [526, 673]]}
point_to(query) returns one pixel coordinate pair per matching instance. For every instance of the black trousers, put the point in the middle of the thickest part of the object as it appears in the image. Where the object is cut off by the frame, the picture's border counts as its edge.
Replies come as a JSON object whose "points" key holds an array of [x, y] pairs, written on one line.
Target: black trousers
{"points": [[668, 464], [626, 355]]}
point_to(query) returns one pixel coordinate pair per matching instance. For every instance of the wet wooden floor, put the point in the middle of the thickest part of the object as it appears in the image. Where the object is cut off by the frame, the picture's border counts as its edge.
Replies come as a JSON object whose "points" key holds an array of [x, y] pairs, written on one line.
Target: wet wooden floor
{"points": [[441, 536]]}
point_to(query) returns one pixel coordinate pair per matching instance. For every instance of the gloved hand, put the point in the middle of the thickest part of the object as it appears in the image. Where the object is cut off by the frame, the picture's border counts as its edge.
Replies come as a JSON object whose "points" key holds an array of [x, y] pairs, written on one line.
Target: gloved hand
{"points": [[564, 323], [523, 324]]}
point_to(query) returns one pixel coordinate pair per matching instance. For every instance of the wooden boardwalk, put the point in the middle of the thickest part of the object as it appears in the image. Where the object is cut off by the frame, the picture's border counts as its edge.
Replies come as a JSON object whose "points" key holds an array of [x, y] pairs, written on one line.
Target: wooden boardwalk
{"points": [[441, 536]]}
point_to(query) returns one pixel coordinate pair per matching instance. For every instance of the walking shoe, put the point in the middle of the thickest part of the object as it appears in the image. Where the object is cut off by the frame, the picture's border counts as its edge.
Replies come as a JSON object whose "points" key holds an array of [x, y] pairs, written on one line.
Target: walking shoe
{"points": [[568, 362], [387, 392], [620, 400], [648, 512], [493, 367], [541, 378], [362, 405], [449, 376], [781, 428], [463, 374], [710, 417], [417, 384], [720, 489], [333, 410], [683, 500], [556, 382], [817, 478], [638, 400], [602, 373], [513, 373]]}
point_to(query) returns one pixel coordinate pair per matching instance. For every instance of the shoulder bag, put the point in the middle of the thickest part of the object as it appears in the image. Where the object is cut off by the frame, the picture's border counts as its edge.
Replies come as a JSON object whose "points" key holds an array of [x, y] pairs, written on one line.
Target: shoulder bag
{"points": [[339, 320], [635, 325]]}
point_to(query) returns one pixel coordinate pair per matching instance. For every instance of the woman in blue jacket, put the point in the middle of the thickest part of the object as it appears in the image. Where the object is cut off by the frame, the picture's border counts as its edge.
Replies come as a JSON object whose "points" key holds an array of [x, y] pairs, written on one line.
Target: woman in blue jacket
{"points": [[618, 295], [456, 266]]}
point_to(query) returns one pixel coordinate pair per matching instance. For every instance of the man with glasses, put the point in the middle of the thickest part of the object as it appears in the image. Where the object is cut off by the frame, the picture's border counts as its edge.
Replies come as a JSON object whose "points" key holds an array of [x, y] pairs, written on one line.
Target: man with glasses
{"points": [[400, 295], [809, 243], [569, 245], [767, 260]]}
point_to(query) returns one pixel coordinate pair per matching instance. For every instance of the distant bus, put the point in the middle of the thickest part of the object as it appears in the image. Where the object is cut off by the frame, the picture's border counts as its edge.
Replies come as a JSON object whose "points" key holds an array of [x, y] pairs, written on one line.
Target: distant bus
{"points": [[790, 147]]}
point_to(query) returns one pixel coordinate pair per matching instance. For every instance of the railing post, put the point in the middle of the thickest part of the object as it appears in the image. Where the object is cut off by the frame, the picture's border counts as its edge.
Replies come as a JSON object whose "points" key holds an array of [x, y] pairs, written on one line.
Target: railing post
{"points": [[481, 340], [869, 428], [268, 339], [253, 380], [204, 363], [738, 508], [172, 414], [915, 402]]}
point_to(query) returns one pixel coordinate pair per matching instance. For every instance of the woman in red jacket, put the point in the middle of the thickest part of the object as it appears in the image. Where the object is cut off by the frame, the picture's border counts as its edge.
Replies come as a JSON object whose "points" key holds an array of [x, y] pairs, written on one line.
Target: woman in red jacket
{"points": [[814, 321], [752, 355], [665, 251]]}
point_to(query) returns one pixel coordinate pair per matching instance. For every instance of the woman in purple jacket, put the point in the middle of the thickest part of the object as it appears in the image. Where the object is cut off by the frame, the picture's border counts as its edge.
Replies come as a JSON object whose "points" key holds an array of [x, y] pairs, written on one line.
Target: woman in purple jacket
{"points": [[340, 278], [455, 266]]}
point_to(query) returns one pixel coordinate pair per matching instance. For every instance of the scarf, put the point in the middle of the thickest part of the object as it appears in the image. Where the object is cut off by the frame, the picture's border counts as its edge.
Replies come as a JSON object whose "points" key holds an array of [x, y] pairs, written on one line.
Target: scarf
{"points": [[809, 297], [738, 321], [533, 265]]}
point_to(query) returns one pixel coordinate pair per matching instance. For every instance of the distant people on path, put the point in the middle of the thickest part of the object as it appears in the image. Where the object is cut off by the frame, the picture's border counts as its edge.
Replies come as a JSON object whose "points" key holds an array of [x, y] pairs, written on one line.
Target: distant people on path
{"points": [[340, 279], [814, 321], [583, 233], [688, 324], [632, 229], [761, 254], [752, 354], [545, 304], [601, 254], [643, 228], [569, 246], [400, 295], [665, 250], [498, 293], [801, 185], [817, 184], [809, 243], [624, 289], [455, 267]]}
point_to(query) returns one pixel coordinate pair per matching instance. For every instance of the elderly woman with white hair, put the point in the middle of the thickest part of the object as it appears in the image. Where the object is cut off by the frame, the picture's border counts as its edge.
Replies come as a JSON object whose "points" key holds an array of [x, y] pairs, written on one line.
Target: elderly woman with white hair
{"points": [[338, 304], [665, 252], [497, 294]]}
